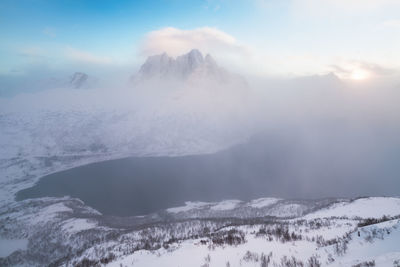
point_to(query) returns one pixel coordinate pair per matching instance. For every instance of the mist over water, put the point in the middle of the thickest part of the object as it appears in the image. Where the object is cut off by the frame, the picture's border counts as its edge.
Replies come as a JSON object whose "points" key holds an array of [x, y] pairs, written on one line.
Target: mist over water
{"points": [[310, 137], [286, 163]]}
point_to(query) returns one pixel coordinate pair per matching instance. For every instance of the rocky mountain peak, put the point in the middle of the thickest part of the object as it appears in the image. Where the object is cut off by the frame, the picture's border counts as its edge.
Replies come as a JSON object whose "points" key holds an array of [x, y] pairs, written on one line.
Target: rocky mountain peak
{"points": [[78, 80], [181, 68], [191, 60], [209, 60]]}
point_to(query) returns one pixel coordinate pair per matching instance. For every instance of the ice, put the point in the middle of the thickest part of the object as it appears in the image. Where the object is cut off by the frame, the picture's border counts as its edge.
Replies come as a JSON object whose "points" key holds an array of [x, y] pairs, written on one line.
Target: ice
{"points": [[8, 246], [188, 206], [226, 205]]}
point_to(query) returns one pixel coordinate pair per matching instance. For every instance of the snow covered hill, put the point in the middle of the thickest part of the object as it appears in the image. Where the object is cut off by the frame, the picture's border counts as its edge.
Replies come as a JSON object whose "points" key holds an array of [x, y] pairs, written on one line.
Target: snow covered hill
{"points": [[260, 250], [64, 231], [371, 207], [312, 240]]}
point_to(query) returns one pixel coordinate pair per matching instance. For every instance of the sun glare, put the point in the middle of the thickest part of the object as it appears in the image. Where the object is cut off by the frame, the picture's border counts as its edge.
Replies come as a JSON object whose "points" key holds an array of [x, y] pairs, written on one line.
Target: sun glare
{"points": [[359, 74]]}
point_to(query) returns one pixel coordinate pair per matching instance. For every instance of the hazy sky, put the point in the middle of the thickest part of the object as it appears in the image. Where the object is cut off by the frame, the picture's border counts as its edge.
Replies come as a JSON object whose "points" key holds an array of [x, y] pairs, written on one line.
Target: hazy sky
{"points": [[356, 39], [342, 127]]}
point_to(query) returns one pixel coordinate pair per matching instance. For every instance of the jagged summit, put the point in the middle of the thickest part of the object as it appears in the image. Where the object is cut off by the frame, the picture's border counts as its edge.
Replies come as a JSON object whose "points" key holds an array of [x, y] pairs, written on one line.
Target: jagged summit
{"points": [[182, 67], [209, 60], [78, 80], [191, 60]]}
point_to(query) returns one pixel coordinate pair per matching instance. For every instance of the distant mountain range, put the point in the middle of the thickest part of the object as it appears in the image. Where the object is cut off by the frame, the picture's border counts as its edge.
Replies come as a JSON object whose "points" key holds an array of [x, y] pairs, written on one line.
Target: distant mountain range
{"points": [[77, 80]]}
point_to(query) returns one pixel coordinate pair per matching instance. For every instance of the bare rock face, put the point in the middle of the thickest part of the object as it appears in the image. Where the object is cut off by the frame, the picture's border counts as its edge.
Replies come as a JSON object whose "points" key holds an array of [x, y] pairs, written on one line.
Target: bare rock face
{"points": [[192, 67], [165, 67]]}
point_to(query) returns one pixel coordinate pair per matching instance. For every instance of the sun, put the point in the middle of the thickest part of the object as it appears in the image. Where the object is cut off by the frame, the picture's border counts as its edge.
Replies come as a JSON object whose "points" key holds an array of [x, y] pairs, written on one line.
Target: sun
{"points": [[359, 74]]}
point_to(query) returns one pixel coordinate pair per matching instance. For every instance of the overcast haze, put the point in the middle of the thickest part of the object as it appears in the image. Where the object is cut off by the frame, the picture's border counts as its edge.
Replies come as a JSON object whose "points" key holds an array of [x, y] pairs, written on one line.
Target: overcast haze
{"points": [[316, 81], [354, 39]]}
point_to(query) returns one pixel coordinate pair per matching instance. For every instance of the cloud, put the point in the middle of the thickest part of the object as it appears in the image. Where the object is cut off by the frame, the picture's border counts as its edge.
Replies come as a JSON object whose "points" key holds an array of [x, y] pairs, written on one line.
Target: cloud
{"points": [[394, 23], [222, 46], [347, 6], [260, 61], [49, 31], [360, 69], [212, 5], [312, 6], [86, 57], [176, 42]]}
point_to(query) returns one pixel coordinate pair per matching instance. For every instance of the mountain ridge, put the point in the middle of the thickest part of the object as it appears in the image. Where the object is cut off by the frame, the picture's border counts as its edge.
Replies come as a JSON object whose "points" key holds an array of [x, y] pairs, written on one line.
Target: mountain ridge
{"points": [[191, 67]]}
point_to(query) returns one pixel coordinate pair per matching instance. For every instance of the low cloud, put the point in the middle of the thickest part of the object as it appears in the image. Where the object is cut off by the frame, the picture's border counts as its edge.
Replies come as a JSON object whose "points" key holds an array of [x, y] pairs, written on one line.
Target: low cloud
{"points": [[394, 23], [318, 7], [360, 70], [315, 7]]}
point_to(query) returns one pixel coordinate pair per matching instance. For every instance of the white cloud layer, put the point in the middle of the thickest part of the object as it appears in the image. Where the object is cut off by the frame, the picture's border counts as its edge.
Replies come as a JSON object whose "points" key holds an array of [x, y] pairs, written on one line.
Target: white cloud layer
{"points": [[348, 6], [176, 42], [393, 23], [253, 60], [360, 70]]}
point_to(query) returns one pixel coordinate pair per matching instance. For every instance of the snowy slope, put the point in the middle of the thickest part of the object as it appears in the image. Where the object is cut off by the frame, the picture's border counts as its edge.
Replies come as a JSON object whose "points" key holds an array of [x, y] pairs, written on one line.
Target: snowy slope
{"points": [[215, 238], [377, 243], [226, 205], [372, 207], [188, 206], [383, 248], [263, 202]]}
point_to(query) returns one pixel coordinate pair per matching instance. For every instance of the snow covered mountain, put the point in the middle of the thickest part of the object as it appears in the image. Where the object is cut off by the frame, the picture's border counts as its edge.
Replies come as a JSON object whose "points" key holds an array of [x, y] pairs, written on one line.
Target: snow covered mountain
{"points": [[276, 232]]}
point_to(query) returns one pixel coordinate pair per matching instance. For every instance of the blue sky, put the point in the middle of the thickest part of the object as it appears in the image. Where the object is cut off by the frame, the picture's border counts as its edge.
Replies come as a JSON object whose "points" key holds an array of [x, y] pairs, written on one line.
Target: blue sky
{"points": [[353, 38], [111, 28]]}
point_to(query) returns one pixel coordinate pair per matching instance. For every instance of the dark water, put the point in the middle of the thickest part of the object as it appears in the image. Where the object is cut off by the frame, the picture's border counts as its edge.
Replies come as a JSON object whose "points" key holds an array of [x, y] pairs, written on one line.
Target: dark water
{"points": [[274, 165], [135, 186], [140, 185]]}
